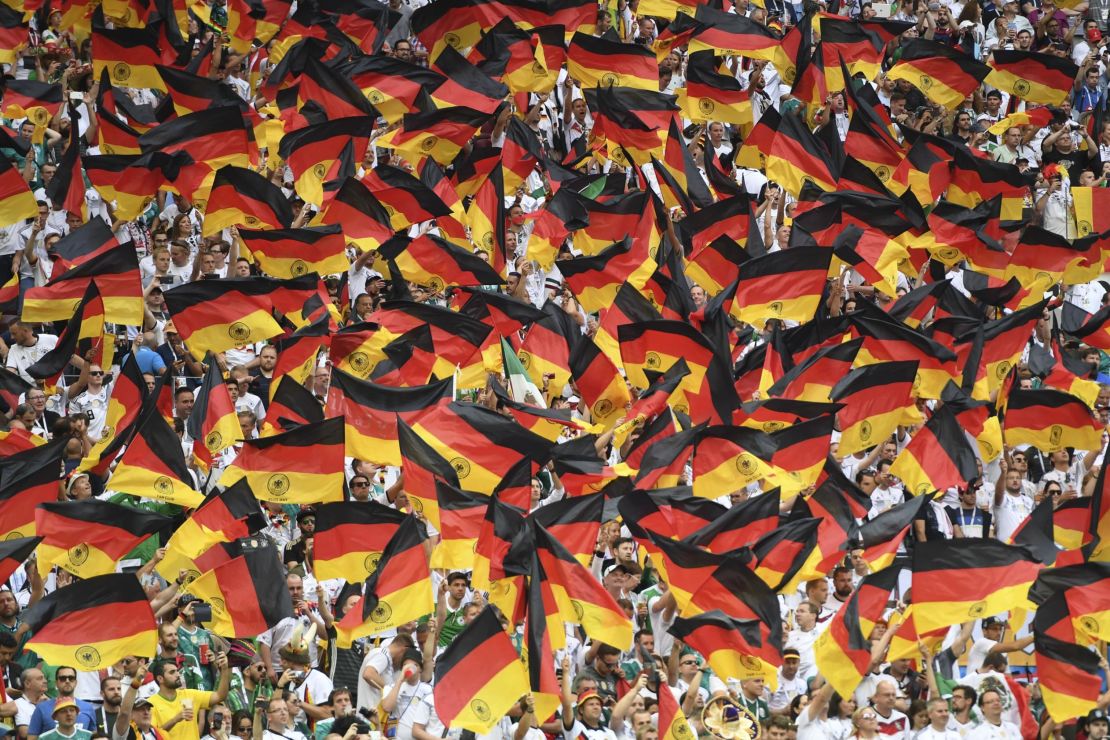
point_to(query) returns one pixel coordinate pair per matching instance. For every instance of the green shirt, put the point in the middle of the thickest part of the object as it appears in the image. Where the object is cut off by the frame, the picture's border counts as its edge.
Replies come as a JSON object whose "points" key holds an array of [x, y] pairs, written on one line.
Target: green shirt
{"points": [[452, 625], [197, 675], [55, 734], [323, 727]]}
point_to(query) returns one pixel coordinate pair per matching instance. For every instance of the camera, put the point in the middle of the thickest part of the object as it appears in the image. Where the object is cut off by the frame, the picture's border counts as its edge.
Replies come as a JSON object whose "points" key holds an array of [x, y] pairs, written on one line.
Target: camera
{"points": [[202, 612]]}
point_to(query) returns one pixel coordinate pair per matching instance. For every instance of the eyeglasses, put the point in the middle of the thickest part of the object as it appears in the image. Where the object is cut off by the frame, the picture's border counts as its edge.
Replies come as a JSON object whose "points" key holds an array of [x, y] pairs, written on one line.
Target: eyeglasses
{"points": [[689, 662]]}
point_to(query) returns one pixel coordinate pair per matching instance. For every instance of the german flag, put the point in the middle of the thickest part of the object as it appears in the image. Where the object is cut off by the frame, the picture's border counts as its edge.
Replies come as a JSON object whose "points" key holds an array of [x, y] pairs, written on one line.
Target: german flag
{"points": [[337, 95], [397, 592], [406, 199], [311, 152], [729, 34], [600, 62], [543, 632], [153, 466], [440, 134], [938, 457], [737, 591], [241, 196], [957, 580], [479, 676], [224, 516], [289, 253], [788, 555], [876, 398], [711, 95], [595, 280], [212, 424], [1068, 674], [944, 73], [481, 445], [13, 553], [213, 316], [301, 466], [93, 623], [505, 314], [843, 650], [458, 339], [1036, 78], [485, 217], [13, 34], [517, 58], [795, 156], [499, 560], [737, 648], [391, 85], [1050, 420], [216, 137], [437, 263], [364, 219], [370, 412], [291, 404], [465, 84], [21, 491], [116, 275], [574, 522], [800, 453], [729, 458], [580, 597], [129, 56], [632, 123], [880, 538], [461, 514], [837, 502], [740, 525], [763, 293], [1044, 257], [716, 265], [423, 466], [17, 203], [87, 538], [130, 180], [813, 379], [191, 92], [886, 341], [848, 48], [599, 382], [248, 594], [350, 538]]}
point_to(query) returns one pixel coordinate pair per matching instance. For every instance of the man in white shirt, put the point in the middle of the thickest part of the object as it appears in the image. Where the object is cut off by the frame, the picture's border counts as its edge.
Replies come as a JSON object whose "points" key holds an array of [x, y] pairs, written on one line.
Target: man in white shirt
{"points": [[790, 684], [27, 348], [279, 725], [938, 723], [993, 727], [402, 700], [1011, 504], [93, 402], [378, 670], [34, 691], [991, 642], [891, 722], [802, 637]]}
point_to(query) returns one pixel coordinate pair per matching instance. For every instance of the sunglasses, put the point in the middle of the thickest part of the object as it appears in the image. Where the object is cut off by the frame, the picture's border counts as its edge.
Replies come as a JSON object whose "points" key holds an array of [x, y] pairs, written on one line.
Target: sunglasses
{"points": [[96, 372], [245, 728], [360, 484], [868, 716]]}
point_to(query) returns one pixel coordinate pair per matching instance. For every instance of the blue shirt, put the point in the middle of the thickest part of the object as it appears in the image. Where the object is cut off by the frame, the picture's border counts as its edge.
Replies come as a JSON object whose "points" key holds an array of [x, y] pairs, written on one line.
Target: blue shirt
{"points": [[149, 361], [43, 718]]}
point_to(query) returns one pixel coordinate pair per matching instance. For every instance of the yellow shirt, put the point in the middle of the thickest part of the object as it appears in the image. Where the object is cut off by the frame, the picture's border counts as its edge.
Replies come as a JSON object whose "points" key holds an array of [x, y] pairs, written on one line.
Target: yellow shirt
{"points": [[163, 711]]}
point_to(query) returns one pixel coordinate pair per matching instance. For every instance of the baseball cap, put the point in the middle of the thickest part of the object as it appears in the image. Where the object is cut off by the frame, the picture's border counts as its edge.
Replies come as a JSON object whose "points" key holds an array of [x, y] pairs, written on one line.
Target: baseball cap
{"points": [[63, 704], [141, 703], [991, 622]]}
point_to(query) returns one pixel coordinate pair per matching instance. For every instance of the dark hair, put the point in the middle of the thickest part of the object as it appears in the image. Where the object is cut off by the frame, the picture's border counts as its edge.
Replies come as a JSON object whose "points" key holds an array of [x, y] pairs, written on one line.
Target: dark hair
{"points": [[182, 389], [336, 693], [342, 724], [969, 693], [158, 667], [988, 691], [8, 641], [604, 651]]}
